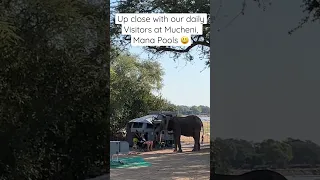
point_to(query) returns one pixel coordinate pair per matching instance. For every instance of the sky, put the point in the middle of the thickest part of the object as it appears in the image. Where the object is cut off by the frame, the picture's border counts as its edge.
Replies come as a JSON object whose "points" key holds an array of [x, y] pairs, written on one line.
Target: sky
{"points": [[185, 83], [265, 83]]}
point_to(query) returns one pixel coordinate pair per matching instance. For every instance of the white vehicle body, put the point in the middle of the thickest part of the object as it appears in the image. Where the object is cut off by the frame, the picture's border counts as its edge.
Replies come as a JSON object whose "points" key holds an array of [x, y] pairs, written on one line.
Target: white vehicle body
{"points": [[150, 124]]}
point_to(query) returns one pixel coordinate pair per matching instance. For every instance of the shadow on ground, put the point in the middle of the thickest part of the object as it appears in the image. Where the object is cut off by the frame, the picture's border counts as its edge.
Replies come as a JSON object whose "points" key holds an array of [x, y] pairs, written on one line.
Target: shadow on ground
{"points": [[168, 165]]}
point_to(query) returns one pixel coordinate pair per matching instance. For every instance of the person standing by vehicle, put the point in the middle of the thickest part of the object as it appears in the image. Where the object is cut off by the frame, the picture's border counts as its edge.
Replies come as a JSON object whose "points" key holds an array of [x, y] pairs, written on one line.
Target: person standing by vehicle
{"points": [[149, 143]]}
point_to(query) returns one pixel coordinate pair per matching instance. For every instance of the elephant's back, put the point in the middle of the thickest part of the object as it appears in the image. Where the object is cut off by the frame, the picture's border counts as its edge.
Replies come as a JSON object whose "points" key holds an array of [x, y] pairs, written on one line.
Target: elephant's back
{"points": [[193, 120], [263, 175], [252, 175], [192, 117]]}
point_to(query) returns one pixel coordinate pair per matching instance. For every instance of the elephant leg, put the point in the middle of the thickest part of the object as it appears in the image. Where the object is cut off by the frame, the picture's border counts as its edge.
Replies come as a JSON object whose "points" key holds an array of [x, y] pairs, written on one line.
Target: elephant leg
{"points": [[175, 146], [196, 138], [175, 137], [179, 144], [194, 146]]}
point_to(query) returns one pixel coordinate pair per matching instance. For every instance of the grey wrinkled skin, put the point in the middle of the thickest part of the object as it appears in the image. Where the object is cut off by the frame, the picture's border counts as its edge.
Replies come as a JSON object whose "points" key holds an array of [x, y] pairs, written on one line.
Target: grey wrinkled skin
{"points": [[189, 126]]}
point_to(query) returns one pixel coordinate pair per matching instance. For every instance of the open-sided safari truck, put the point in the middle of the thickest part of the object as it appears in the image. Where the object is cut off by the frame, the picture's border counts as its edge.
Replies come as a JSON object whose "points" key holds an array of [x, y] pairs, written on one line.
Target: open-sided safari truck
{"points": [[152, 123]]}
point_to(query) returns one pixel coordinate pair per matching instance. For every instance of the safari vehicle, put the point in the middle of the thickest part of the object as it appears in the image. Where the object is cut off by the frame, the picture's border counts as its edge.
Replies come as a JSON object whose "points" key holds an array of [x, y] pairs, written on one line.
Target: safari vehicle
{"points": [[151, 124]]}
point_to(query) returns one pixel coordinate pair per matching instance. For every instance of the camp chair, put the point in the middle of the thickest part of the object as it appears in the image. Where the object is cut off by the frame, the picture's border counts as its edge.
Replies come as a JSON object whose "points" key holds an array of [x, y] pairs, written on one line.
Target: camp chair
{"points": [[141, 146], [161, 144], [138, 145]]}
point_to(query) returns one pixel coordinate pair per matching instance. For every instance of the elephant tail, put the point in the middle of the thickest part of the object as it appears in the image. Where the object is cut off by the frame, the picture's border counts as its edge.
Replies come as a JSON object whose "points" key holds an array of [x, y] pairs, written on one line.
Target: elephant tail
{"points": [[202, 137]]}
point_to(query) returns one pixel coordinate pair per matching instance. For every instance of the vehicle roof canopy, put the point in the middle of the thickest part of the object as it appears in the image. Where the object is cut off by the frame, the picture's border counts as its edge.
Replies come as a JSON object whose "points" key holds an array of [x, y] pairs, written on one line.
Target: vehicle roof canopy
{"points": [[145, 119]]}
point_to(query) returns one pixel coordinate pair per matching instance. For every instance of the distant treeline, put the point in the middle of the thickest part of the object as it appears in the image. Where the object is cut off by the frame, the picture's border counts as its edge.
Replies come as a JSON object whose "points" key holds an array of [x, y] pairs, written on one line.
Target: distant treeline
{"points": [[241, 154], [196, 110]]}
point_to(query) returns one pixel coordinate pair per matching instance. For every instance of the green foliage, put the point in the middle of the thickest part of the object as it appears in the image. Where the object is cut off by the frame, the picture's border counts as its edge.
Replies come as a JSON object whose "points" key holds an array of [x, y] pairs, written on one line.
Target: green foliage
{"points": [[196, 110], [53, 89], [275, 152], [132, 82], [309, 149], [240, 154]]}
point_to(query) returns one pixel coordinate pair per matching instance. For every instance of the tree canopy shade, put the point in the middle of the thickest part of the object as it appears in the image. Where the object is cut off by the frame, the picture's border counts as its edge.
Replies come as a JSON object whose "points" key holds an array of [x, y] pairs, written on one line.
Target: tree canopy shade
{"points": [[202, 42], [54, 95]]}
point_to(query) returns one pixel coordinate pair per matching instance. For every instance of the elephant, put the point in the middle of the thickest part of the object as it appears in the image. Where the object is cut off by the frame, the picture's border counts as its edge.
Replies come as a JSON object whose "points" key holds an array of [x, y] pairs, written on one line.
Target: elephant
{"points": [[255, 174], [189, 126]]}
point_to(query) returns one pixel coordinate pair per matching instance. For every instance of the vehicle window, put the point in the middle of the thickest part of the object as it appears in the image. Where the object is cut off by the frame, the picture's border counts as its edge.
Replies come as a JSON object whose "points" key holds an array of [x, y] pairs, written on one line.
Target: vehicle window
{"points": [[137, 125], [149, 126]]}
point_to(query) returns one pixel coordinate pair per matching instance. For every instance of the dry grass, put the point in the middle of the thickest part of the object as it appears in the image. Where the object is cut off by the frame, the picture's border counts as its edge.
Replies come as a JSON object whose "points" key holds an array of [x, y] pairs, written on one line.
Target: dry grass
{"points": [[206, 139]]}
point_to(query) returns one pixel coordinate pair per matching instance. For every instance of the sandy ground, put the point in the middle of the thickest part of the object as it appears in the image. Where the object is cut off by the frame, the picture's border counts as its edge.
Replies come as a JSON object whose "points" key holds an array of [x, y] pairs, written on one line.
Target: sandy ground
{"points": [[166, 165], [189, 140]]}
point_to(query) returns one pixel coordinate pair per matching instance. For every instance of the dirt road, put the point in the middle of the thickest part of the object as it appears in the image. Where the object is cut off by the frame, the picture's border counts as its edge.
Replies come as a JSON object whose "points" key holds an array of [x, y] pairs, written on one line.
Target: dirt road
{"points": [[167, 165]]}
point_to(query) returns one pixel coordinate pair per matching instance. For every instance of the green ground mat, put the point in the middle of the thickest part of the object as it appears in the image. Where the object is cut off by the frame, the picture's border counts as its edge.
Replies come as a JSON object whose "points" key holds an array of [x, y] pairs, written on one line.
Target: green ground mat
{"points": [[129, 162]]}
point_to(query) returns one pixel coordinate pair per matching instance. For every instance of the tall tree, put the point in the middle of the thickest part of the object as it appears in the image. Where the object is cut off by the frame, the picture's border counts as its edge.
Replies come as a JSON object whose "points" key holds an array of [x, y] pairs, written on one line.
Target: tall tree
{"points": [[53, 91], [132, 84], [195, 110], [275, 152], [304, 152]]}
